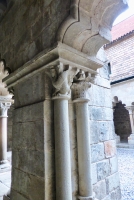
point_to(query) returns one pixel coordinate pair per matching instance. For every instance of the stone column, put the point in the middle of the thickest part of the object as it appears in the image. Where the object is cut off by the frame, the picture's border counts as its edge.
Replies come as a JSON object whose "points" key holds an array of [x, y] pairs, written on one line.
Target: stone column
{"points": [[3, 131], [62, 149], [79, 90], [61, 81], [131, 115]]}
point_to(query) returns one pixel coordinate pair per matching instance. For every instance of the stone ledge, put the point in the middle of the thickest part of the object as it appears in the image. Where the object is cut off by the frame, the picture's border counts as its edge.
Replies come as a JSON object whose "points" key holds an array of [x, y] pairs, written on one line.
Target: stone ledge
{"points": [[125, 145]]}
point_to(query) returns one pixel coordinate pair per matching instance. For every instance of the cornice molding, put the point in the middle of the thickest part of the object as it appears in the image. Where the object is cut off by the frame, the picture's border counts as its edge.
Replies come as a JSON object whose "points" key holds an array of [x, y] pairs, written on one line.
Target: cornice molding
{"points": [[45, 60]]}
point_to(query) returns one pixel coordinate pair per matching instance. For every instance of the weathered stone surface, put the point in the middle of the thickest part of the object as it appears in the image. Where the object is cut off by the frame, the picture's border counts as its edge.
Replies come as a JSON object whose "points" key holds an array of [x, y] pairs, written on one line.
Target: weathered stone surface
{"points": [[17, 196], [102, 82], [100, 113], [94, 131], [24, 184], [113, 165], [32, 94], [94, 173], [112, 182], [99, 96], [97, 152], [103, 169], [100, 189], [105, 129], [110, 148], [116, 194]]}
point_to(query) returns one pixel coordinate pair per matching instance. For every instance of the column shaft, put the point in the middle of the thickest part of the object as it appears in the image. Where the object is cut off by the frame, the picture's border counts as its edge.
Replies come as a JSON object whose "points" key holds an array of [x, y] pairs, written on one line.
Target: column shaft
{"points": [[132, 122], [3, 139], [84, 154], [62, 150]]}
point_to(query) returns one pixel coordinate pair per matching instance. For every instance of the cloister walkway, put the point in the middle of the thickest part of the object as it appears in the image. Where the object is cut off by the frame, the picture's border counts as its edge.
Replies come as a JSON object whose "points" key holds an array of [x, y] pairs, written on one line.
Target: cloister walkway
{"points": [[126, 170]]}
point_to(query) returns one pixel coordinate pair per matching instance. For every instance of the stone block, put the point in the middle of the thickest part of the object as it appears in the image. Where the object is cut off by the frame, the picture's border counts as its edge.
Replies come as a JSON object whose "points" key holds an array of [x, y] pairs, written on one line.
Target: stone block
{"points": [[100, 113], [30, 161], [36, 188], [17, 196], [100, 189], [97, 152], [103, 169], [112, 182], [110, 148], [29, 135], [94, 173], [100, 96], [104, 130], [28, 185], [29, 113], [116, 194], [94, 131], [103, 82], [19, 181], [113, 165]]}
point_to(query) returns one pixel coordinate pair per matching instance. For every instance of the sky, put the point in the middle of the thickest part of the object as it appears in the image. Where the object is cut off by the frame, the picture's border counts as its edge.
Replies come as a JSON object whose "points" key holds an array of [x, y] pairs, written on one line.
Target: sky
{"points": [[127, 13]]}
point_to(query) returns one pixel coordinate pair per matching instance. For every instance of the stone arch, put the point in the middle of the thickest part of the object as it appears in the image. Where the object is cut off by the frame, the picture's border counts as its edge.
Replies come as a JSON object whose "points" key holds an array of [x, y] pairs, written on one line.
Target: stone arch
{"points": [[89, 24]]}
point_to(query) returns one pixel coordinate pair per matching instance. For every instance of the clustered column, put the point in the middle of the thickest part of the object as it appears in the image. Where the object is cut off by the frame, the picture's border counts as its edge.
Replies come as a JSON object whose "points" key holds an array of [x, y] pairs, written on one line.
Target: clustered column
{"points": [[3, 131], [131, 115], [79, 90], [62, 78]]}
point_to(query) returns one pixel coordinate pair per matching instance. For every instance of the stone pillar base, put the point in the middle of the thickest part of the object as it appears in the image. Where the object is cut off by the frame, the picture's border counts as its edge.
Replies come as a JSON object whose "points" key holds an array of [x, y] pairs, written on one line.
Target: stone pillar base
{"points": [[131, 139]]}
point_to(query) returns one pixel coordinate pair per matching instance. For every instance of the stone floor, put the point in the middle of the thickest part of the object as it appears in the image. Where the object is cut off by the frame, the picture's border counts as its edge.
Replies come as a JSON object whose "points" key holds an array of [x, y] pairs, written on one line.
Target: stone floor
{"points": [[5, 177], [126, 170]]}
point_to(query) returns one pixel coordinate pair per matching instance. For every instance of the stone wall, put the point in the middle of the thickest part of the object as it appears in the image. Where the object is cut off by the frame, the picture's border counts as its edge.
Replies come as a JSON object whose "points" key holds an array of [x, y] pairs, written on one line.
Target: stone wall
{"points": [[122, 122], [104, 155], [26, 26]]}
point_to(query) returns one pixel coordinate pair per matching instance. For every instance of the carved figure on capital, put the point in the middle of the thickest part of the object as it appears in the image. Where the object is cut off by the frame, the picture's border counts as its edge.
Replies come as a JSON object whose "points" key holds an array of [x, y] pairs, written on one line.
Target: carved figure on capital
{"points": [[82, 82], [62, 78]]}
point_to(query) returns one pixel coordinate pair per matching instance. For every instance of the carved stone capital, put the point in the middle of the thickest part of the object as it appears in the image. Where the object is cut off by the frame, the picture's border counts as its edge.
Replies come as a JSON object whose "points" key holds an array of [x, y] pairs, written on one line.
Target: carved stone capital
{"points": [[82, 82], [79, 91], [62, 78], [4, 108]]}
